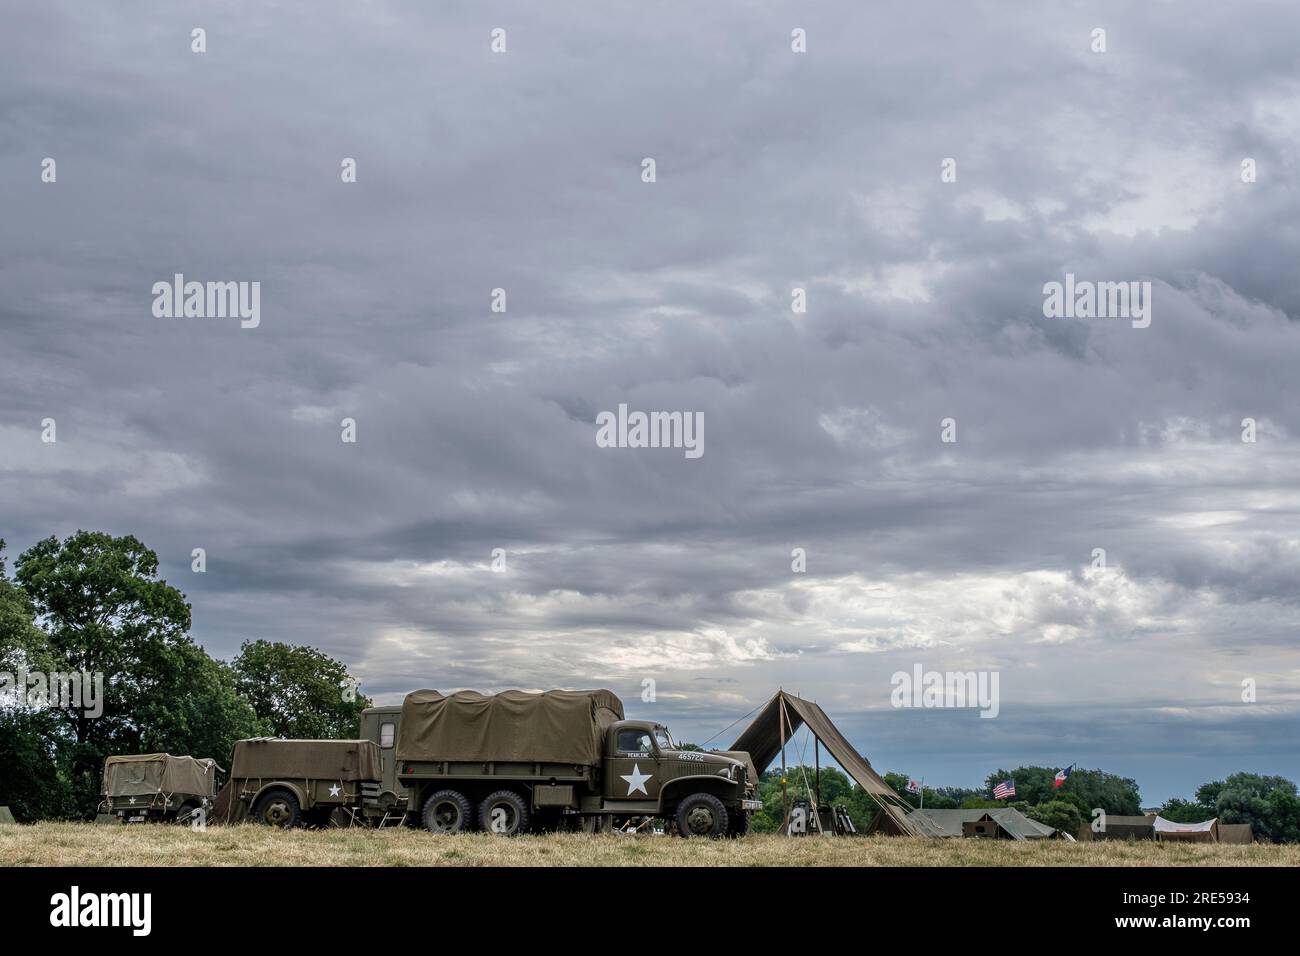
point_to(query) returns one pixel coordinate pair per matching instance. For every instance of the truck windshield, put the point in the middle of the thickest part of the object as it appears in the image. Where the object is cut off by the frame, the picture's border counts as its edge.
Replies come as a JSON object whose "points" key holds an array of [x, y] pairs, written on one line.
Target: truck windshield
{"points": [[665, 742]]}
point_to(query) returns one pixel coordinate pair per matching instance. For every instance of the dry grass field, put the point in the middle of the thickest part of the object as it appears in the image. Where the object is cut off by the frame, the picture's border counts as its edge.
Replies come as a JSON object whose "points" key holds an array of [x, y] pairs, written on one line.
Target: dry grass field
{"points": [[80, 844]]}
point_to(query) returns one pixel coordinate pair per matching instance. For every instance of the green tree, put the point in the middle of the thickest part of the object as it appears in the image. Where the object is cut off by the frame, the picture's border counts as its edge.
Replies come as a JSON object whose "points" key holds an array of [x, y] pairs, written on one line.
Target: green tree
{"points": [[30, 782], [1086, 788], [1064, 815], [299, 692], [1268, 803], [103, 610], [1185, 811]]}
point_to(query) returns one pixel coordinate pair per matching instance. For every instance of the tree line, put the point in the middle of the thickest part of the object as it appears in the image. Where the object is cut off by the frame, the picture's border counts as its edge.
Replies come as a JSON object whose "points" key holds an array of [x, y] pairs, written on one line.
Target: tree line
{"points": [[1269, 804], [94, 604]]}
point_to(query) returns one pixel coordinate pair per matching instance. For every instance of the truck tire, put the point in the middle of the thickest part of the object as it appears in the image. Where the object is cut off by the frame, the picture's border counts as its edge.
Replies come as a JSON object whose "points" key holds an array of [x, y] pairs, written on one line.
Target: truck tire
{"points": [[701, 814], [504, 813], [740, 820], [278, 808], [447, 811]]}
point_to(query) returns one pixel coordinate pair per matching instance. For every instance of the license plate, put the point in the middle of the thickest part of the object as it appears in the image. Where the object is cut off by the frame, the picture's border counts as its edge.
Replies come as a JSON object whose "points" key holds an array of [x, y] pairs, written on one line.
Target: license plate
{"points": [[135, 819]]}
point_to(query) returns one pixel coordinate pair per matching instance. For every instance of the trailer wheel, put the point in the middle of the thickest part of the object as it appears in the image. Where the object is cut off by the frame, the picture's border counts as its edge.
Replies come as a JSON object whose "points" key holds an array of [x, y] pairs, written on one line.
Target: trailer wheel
{"points": [[447, 811], [701, 814], [504, 813], [278, 808]]}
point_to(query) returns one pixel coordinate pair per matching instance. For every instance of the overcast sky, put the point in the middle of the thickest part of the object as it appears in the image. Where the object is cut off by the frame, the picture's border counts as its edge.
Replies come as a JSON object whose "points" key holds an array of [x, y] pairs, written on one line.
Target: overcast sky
{"points": [[775, 170]]}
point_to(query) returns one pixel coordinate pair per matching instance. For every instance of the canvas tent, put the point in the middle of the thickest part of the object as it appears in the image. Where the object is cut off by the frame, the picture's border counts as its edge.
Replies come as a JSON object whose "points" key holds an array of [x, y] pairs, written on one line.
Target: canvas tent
{"points": [[1120, 827], [1236, 833], [558, 726], [1004, 823], [147, 774], [1207, 831], [766, 736]]}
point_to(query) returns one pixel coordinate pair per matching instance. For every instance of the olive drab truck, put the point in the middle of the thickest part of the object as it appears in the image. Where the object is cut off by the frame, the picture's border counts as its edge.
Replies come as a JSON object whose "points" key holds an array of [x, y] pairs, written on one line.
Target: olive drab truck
{"points": [[142, 788], [509, 762], [288, 783]]}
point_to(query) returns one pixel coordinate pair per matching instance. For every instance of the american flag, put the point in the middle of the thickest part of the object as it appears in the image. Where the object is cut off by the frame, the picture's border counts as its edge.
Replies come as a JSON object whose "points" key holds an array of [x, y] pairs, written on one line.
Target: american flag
{"points": [[1003, 790]]}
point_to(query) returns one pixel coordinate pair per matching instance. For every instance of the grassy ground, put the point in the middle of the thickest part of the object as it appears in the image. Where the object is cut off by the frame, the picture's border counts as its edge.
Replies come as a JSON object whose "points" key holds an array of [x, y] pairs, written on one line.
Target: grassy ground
{"points": [[80, 844]]}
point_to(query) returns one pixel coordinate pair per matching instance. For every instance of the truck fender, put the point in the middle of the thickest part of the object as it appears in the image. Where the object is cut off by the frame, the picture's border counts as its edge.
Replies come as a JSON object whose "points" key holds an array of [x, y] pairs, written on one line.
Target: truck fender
{"points": [[678, 787], [293, 788]]}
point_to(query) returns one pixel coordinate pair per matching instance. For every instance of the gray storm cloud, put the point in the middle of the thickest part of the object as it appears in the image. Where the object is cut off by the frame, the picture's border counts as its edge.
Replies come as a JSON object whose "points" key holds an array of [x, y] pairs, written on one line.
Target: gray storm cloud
{"points": [[775, 171]]}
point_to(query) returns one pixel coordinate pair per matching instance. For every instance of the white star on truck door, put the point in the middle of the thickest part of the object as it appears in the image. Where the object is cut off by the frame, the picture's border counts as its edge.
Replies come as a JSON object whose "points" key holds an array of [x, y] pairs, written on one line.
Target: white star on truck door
{"points": [[636, 780]]}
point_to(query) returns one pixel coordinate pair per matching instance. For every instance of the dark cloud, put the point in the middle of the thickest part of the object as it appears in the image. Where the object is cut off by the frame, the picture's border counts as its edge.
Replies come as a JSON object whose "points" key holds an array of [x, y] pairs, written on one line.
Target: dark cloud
{"points": [[476, 429]]}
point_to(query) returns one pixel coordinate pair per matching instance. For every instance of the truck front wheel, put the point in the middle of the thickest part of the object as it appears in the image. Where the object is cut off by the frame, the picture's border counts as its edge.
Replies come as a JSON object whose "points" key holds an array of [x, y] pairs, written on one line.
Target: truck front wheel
{"points": [[447, 811], [701, 814], [740, 820], [504, 813]]}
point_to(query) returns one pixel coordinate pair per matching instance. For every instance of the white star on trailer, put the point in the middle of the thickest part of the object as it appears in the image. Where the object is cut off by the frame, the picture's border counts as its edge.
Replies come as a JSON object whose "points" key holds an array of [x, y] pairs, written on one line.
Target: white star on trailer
{"points": [[636, 780], [334, 790]]}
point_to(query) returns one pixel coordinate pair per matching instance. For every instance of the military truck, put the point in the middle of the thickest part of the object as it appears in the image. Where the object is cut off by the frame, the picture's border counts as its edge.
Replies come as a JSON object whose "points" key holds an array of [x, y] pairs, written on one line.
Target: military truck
{"points": [[512, 761], [288, 783], [142, 788]]}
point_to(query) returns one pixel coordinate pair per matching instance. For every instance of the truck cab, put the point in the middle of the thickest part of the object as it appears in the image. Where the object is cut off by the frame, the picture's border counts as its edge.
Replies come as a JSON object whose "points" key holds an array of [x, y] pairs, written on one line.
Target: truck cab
{"points": [[647, 772]]}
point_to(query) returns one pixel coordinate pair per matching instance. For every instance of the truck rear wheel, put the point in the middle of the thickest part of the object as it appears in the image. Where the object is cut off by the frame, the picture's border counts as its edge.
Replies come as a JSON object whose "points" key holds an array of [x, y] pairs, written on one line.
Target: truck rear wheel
{"points": [[504, 813], [278, 808], [447, 811], [701, 814]]}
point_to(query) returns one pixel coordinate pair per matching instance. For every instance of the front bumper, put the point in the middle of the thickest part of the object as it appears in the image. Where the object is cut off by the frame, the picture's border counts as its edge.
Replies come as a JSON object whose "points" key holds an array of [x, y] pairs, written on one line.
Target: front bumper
{"points": [[751, 804]]}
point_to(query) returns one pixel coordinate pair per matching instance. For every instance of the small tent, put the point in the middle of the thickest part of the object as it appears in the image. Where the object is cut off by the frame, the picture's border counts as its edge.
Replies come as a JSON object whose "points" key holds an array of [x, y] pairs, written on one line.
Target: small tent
{"points": [[776, 723], [1002, 823]]}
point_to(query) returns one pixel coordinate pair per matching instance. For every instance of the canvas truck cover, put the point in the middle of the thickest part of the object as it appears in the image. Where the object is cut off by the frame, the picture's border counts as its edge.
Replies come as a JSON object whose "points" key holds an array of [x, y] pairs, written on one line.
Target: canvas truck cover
{"points": [[142, 774], [558, 726], [267, 757]]}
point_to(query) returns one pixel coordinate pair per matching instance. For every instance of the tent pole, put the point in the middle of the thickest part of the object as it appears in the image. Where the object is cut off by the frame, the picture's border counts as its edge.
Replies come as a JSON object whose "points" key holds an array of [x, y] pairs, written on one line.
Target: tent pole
{"points": [[785, 799], [817, 781], [817, 769]]}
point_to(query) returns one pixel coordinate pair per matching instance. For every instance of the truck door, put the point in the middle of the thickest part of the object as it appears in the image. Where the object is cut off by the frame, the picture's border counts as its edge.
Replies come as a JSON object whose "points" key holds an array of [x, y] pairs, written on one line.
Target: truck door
{"points": [[632, 768]]}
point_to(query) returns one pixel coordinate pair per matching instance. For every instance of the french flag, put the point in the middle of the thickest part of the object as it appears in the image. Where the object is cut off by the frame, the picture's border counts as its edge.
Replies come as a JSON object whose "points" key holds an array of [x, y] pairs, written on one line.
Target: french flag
{"points": [[1062, 776]]}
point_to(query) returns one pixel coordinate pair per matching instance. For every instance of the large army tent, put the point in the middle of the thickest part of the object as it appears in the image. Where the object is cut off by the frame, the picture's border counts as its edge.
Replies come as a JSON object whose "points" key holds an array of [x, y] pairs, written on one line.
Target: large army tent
{"points": [[1120, 827], [144, 774], [557, 726], [1003, 823], [784, 714], [1236, 833], [268, 757]]}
